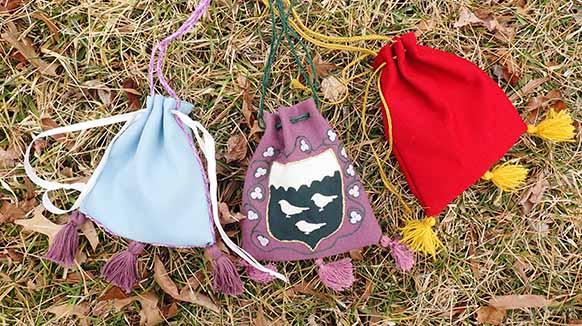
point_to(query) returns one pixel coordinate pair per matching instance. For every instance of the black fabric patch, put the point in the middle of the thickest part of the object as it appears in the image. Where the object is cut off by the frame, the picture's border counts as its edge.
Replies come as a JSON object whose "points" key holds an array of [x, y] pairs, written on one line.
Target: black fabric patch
{"points": [[297, 215]]}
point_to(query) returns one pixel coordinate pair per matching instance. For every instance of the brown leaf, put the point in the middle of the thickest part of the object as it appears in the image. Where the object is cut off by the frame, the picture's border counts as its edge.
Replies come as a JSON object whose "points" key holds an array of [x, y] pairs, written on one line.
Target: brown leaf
{"points": [[508, 70], [150, 314], [39, 223], [487, 20], [79, 310], [356, 254], [534, 194], [30, 54], [236, 148], [186, 294], [48, 123], [521, 268], [170, 310], [133, 96], [88, 230], [9, 157], [261, 320], [226, 217], [490, 315], [322, 68], [333, 89], [518, 301], [99, 90], [248, 109], [466, 17], [10, 212], [305, 288], [113, 300], [531, 86], [113, 293], [10, 5], [49, 23], [424, 26]]}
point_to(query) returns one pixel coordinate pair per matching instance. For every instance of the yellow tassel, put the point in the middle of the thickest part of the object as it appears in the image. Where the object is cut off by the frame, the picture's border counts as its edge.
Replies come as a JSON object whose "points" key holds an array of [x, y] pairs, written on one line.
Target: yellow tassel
{"points": [[296, 84], [419, 236], [557, 126], [507, 177]]}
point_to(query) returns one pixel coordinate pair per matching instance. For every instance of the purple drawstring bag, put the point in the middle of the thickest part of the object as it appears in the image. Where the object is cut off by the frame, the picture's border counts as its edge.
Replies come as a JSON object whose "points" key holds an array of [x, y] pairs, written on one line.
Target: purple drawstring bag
{"points": [[303, 198]]}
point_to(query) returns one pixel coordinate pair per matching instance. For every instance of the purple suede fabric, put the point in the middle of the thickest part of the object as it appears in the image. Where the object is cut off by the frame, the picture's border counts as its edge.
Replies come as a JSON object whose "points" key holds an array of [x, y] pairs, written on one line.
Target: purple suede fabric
{"points": [[280, 145]]}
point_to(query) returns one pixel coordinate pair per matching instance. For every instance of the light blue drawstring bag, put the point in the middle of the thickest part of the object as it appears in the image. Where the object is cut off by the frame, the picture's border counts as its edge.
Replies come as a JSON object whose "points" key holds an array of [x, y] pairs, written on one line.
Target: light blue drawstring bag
{"points": [[150, 186]]}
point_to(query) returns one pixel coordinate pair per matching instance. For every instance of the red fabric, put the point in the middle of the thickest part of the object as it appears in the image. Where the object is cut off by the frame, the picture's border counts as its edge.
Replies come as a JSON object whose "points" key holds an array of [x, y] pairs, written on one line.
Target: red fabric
{"points": [[451, 121]]}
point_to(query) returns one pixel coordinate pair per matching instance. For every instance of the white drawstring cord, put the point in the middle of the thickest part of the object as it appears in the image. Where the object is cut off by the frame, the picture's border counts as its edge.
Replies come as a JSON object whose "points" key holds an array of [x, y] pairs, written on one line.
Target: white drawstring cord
{"points": [[208, 147], [84, 188]]}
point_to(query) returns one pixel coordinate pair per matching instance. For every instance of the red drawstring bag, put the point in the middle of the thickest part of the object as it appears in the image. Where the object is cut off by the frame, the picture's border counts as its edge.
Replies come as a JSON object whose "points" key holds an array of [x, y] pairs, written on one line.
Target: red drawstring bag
{"points": [[450, 124]]}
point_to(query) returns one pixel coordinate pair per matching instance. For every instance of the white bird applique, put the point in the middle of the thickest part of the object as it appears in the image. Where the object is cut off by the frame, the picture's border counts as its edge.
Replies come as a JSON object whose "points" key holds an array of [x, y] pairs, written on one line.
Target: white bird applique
{"points": [[322, 200], [307, 227], [289, 209]]}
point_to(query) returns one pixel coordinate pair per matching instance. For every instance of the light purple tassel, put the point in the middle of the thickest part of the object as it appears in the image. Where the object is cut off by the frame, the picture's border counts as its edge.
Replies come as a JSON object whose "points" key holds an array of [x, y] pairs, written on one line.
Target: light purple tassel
{"points": [[403, 256], [257, 275], [337, 275], [225, 277], [121, 269], [66, 242]]}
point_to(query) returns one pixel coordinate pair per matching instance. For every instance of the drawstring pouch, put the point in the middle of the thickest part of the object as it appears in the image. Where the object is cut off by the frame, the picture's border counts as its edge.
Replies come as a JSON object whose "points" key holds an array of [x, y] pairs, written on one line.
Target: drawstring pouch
{"points": [[150, 186], [449, 123], [302, 196]]}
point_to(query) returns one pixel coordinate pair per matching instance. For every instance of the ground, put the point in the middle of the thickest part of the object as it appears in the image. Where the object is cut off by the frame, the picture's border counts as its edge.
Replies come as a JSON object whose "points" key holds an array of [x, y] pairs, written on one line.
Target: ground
{"points": [[97, 54]]}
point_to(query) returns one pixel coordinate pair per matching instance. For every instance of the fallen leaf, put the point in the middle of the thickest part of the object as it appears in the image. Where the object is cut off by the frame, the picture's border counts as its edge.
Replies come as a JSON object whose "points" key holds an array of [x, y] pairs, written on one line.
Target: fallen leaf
{"points": [[226, 217], [261, 320], [150, 314], [508, 70], [10, 212], [9, 157], [534, 194], [356, 254], [67, 310], [529, 87], [466, 17], [99, 90], [47, 123], [322, 68], [170, 310], [518, 301], [296, 84], [491, 315], [88, 230], [236, 148], [333, 89], [424, 26], [49, 23], [113, 293], [133, 96], [186, 294], [39, 223], [30, 54], [501, 32], [305, 288], [521, 267], [10, 5], [248, 109], [113, 300]]}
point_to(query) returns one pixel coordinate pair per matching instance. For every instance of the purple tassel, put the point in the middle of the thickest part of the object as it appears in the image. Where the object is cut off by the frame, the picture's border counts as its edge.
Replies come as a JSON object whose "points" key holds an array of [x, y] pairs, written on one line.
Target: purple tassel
{"points": [[66, 242], [403, 256], [121, 269], [225, 277], [257, 275], [337, 275]]}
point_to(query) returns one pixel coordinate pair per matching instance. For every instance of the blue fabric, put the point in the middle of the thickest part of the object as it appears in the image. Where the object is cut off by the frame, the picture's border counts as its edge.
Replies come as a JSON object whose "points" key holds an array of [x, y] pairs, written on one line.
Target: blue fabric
{"points": [[151, 188]]}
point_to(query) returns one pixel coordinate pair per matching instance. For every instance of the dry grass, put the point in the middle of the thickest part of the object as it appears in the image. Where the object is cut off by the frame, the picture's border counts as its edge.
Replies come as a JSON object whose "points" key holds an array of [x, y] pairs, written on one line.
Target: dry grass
{"points": [[485, 234]]}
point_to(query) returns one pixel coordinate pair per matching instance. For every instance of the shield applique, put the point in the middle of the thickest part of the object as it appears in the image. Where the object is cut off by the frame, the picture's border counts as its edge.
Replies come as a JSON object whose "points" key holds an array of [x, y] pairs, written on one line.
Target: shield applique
{"points": [[306, 202]]}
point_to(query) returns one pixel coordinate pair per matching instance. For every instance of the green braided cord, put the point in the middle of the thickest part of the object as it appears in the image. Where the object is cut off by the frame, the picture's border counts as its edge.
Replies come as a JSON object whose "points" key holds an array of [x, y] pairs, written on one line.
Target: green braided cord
{"points": [[289, 33], [275, 41], [276, 38]]}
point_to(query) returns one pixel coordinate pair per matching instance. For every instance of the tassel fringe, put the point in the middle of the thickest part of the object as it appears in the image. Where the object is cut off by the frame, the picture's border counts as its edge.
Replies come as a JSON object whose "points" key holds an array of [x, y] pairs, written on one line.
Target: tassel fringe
{"points": [[420, 236], [337, 275], [507, 177], [557, 126], [66, 242], [121, 269], [403, 256], [257, 275], [225, 277]]}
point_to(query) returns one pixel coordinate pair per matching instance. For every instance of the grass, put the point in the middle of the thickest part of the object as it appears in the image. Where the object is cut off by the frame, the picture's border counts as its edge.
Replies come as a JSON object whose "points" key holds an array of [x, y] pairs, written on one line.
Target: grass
{"points": [[485, 234]]}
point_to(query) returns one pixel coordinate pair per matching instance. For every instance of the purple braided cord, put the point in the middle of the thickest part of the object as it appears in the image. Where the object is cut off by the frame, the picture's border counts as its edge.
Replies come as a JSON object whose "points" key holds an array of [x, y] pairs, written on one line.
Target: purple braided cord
{"points": [[162, 46]]}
